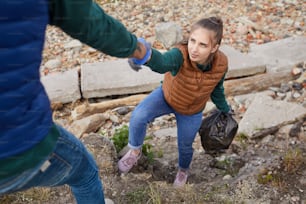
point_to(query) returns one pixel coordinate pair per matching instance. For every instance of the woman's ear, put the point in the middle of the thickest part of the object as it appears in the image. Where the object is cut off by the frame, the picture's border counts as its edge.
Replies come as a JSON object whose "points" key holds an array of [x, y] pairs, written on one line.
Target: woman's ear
{"points": [[215, 48]]}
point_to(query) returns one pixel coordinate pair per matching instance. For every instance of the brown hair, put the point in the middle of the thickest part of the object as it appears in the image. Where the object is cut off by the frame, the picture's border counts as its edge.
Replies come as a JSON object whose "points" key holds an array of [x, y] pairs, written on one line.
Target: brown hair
{"points": [[214, 24]]}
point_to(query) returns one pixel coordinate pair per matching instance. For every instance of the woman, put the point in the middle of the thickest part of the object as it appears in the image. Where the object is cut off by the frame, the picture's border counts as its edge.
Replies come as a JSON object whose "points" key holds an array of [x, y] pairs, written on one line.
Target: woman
{"points": [[194, 72]]}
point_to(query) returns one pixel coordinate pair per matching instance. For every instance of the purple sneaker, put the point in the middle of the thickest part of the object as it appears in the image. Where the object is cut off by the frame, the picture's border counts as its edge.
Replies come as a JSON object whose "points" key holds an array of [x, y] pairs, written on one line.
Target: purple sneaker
{"points": [[128, 161], [181, 178]]}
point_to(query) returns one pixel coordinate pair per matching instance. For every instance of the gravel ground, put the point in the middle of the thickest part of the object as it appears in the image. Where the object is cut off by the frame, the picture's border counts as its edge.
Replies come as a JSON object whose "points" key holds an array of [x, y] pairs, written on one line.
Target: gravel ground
{"points": [[245, 22]]}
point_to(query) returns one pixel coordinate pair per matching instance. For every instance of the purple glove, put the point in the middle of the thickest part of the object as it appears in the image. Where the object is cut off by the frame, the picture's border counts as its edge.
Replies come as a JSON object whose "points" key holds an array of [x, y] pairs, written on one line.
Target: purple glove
{"points": [[134, 63]]}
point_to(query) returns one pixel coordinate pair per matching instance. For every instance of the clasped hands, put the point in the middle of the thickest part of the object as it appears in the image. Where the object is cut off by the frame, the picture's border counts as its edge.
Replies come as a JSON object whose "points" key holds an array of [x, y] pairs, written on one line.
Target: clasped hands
{"points": [[135, 63]]}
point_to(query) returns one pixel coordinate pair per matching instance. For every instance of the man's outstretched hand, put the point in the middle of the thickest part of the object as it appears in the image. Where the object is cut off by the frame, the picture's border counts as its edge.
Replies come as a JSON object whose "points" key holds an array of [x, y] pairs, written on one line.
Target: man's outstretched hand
{"points": [[135, 63]]}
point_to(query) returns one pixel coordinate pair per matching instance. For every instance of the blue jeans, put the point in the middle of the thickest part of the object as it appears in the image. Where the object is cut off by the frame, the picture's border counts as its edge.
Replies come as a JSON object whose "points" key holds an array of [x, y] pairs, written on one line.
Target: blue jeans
{"points": [[154, 106], [70, 163]]}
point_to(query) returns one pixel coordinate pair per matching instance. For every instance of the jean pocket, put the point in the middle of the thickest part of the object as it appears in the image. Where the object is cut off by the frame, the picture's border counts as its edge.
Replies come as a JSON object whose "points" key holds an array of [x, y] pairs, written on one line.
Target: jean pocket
{"points": [[54, 174]]}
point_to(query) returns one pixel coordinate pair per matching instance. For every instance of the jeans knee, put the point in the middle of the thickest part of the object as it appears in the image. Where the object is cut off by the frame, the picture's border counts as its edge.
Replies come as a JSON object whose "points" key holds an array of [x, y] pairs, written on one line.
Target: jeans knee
{"points": [[139, 117]]}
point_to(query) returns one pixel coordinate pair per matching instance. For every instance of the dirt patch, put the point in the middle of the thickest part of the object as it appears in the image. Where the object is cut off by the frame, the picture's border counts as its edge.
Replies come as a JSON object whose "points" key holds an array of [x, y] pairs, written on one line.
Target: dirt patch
{"points": [[269, 170]]}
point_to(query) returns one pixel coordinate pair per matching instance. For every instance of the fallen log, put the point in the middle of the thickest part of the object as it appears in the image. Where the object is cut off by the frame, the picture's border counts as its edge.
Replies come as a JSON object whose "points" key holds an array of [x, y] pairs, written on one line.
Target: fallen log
{"points": [[256, 83], [90, 109], [297, 123], [232, 87]]}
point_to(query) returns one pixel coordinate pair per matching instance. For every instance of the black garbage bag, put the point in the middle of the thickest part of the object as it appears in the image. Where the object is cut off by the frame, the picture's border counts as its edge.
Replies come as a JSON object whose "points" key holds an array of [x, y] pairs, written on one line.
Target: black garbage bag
{"points": [[217, 131]]}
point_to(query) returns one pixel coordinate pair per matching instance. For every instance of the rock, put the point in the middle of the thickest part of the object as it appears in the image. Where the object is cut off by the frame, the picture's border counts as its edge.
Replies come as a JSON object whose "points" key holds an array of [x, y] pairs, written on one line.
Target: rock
{"points": [[88, 124], [168, 33], [53, 63], [296, 129], [109, 201], [123, 110], [104, 152], [73, 44]]}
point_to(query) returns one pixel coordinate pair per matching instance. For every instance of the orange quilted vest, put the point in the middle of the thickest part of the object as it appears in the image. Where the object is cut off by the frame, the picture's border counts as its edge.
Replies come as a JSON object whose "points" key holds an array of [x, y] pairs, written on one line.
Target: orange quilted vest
{"points": [[189, 90]]}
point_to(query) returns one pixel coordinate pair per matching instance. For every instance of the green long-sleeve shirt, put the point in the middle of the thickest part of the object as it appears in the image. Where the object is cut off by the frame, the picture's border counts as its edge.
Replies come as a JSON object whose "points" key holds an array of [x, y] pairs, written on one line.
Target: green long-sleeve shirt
{"points": [[172, 61], [86, 21]]}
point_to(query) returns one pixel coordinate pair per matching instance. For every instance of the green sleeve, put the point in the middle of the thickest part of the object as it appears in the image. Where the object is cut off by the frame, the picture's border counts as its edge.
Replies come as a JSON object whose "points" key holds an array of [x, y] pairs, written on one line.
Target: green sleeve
{"points": [[218, 97], [171, 61], [86, 21]]}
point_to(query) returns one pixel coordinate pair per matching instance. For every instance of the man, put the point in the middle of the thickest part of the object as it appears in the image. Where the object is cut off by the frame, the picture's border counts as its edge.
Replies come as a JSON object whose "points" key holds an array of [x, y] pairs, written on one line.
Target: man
{"points": [[33, 150]]}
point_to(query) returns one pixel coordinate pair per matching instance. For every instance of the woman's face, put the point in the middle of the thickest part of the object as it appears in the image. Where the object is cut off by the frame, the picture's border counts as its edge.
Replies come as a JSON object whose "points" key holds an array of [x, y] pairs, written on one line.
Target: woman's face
{"points": [[200, 45]]}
